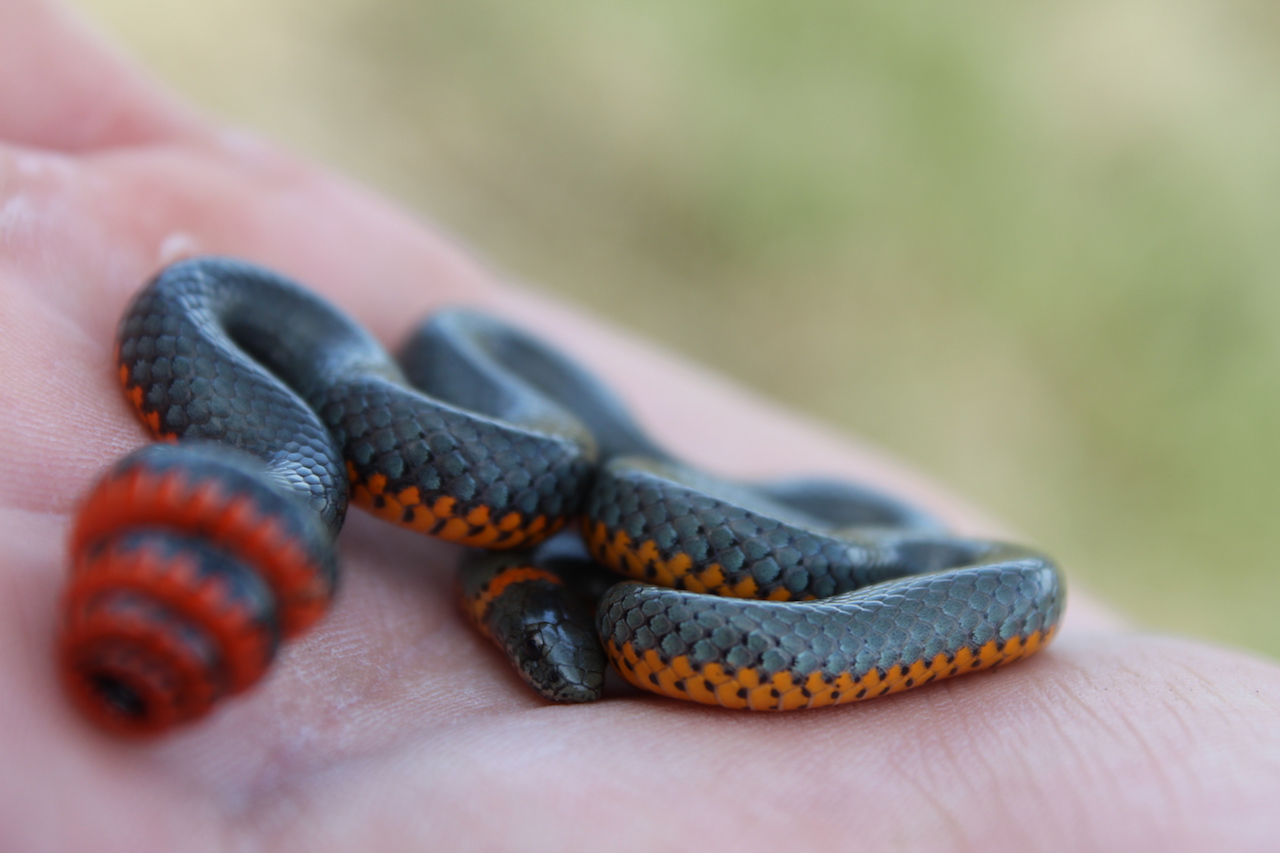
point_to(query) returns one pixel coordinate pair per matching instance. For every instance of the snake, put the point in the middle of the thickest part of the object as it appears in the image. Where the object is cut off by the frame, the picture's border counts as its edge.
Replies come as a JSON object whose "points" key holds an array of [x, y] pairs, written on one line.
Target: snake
{"points": [[193, 559]]}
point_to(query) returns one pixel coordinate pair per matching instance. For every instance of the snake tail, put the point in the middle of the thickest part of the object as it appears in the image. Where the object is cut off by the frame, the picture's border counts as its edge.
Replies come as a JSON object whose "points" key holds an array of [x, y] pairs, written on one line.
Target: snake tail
{"points": [[188, 569]]}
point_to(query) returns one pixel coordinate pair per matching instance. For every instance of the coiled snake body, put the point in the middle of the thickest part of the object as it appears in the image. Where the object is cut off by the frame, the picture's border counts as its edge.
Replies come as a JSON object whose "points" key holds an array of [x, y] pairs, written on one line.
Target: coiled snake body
{"points": [[191, 561]]}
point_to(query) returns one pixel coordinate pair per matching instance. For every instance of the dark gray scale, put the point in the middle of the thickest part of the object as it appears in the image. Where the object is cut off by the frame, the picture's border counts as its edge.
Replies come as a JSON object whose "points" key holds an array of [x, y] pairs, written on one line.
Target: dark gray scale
{"points": [[486, 368], [131, 685], [842, 504], [780, 533], [1007, 592], [483, 364], [228, 352], [476, 362], [422, 442], [271, 392], [211, 341], [781, 536], [813, 537], [544, 626], [246, 602]]}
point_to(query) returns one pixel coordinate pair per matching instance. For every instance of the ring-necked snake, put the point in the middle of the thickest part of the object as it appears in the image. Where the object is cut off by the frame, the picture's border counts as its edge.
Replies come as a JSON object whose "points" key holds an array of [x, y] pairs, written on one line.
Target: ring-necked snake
{"points": [[192, 560]]}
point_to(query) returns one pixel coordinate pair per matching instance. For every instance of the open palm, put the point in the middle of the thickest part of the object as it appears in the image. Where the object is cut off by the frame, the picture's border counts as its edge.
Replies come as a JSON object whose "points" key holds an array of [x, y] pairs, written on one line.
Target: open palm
{"points": [[390, 726]]}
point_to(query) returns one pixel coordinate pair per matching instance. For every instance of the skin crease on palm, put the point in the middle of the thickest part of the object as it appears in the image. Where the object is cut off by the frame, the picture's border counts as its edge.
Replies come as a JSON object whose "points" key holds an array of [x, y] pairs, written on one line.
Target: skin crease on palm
{"points": [[390, 726]]}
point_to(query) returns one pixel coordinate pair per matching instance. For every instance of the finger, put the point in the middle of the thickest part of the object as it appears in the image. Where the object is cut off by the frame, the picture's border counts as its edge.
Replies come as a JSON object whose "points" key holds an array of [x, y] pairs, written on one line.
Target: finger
{"points": [[61, 87]]}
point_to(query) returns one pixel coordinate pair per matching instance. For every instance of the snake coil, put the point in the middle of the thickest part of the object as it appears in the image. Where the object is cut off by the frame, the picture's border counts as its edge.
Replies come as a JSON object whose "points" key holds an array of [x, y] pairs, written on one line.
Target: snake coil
{"points": [[856, 593], [192, 560]]}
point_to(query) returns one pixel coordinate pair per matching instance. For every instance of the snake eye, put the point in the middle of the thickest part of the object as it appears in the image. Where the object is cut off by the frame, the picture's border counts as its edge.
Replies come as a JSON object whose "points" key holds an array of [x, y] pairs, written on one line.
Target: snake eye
{"points": [[534, 643]]}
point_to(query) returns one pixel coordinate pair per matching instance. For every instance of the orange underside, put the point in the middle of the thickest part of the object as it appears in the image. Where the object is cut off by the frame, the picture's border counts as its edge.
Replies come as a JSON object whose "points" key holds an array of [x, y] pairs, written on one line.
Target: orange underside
{"points": [[172, 501], [172, 687], [713, 684], [716, 684], [443, 519], [244, 648], [645, 563], [203, 509]]}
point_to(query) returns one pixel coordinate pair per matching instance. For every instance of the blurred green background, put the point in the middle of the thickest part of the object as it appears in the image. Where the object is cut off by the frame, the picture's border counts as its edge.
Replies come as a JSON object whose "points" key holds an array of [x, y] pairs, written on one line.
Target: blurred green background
{"points": [[1031, 248]]}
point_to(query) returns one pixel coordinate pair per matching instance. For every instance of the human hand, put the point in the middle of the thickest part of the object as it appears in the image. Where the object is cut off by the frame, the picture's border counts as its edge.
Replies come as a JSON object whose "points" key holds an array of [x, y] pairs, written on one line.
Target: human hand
{"points": [[391, 726]]}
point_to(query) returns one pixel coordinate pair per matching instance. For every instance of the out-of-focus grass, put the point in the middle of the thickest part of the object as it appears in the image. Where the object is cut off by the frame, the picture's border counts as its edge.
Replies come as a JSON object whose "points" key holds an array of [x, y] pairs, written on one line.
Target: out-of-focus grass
{"points": [[1030, 248]]}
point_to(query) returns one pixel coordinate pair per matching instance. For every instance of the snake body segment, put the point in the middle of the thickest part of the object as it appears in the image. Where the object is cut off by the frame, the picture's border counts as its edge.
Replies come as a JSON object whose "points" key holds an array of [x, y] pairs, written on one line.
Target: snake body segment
{"points": [[192, 561], [190, 564], [278, 405], [767, 655]]}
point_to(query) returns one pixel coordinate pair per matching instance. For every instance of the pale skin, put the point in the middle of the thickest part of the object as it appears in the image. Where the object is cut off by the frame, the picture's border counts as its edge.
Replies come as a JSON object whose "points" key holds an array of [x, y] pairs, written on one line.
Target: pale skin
{"points": [[391, 726]]}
